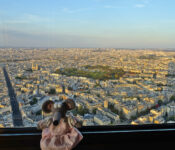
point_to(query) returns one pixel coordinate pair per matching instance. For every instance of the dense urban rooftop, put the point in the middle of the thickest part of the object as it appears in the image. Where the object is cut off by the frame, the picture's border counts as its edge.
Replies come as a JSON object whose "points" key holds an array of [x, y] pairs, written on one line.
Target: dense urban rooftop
{"points": [[109, 86]]}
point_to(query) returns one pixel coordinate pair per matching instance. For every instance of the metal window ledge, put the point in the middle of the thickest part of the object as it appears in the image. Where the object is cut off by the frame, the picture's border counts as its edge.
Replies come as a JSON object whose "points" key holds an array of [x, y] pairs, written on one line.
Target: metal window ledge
{"points": [[101, 137]]}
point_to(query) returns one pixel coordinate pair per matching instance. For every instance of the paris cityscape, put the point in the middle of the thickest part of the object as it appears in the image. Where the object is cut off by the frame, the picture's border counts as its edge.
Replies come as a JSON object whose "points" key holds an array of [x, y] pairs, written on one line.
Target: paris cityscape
{"points": [[109, 86]]}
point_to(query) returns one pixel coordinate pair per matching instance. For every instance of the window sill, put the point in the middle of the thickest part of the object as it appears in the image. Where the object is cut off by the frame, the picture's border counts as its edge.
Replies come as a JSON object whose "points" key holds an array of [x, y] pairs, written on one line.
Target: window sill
{"points": [[101, 137]]}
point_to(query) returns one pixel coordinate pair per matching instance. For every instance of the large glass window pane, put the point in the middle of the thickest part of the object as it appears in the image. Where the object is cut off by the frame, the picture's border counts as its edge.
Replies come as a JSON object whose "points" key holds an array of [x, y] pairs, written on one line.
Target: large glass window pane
{"points": [[116, 59]]}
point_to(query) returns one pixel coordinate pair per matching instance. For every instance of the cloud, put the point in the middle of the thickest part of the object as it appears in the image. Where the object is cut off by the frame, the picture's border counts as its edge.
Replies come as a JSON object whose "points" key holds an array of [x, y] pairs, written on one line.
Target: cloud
{"points": [[146, 1], [16, 38], [71, 11], [140, 5], [143, 3], [34, 18], [25, 19], [110, 6]]}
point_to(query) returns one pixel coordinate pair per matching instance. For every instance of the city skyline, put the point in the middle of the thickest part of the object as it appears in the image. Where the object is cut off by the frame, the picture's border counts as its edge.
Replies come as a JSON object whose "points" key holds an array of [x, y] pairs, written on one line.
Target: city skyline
{"points": [[93, 23], [109, 86]]}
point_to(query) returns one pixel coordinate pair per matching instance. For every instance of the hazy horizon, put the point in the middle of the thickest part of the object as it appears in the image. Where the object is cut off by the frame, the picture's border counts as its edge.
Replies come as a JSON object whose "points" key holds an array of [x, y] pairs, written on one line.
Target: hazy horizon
{"points": [[134, 24], [124, 48]]}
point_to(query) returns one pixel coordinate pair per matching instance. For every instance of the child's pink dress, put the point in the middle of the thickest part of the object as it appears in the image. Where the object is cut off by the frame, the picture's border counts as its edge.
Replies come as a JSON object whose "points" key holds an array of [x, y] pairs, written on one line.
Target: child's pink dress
{"points": [[60, 137]]}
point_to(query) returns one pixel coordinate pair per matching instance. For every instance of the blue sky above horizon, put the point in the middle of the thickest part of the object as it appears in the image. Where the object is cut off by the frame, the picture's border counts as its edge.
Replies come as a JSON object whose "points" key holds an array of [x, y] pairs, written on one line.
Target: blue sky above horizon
{"points": [[87, 23]]}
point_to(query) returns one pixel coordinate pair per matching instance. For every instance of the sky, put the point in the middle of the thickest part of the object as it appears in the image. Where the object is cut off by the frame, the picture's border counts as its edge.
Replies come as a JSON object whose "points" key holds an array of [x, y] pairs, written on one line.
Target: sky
{"points": [[87, 23]]}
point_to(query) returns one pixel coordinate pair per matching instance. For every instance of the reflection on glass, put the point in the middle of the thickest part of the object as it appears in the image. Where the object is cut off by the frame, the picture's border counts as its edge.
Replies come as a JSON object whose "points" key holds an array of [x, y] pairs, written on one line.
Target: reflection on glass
{"points": [[114, 58]]}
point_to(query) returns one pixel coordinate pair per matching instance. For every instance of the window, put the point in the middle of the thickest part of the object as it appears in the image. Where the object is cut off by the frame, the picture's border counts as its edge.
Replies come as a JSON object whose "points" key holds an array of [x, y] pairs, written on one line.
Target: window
{"points": [[116, 59]]}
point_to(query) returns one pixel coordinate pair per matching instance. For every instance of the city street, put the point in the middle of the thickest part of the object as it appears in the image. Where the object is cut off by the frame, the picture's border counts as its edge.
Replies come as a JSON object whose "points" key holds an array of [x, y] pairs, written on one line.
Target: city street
{"points": [[16, 114]]}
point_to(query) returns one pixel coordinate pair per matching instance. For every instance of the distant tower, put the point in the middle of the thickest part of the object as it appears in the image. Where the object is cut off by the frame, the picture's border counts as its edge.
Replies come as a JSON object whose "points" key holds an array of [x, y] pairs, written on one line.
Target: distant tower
{"points": [[63, 89], [37, 90], [35, 67], [154, 75], [107, 92], [32, 66], [105, 104]]}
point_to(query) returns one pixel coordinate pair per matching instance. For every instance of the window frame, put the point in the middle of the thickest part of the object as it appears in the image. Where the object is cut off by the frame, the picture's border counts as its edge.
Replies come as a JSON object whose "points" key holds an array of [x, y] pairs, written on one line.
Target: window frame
{"points": [[98, 129], [95, 137]]}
